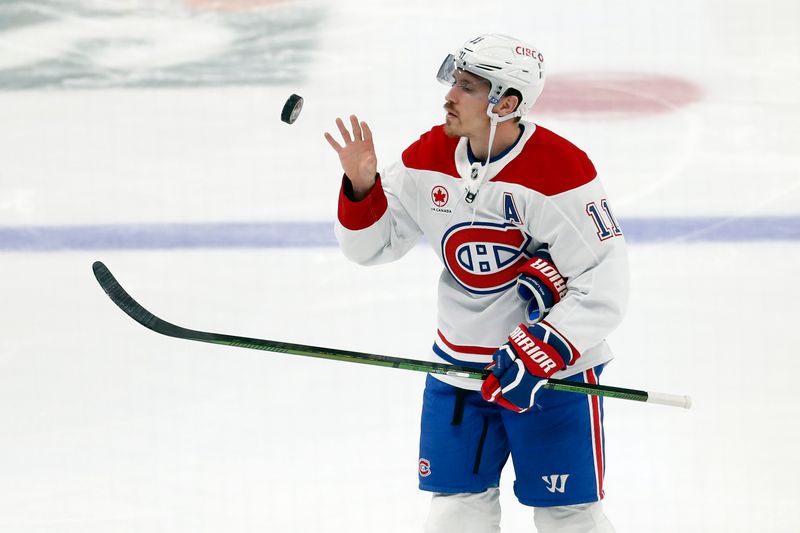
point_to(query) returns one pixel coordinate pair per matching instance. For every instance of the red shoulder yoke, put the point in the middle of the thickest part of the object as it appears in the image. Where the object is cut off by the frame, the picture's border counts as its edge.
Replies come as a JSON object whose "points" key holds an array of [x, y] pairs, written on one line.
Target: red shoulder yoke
{"points": [[433, 151], [549, 164]]}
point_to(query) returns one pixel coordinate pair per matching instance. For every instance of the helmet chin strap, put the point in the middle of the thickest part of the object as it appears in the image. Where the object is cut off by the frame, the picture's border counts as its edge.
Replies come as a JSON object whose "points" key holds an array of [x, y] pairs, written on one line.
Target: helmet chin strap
{"points": [[478, 170]]}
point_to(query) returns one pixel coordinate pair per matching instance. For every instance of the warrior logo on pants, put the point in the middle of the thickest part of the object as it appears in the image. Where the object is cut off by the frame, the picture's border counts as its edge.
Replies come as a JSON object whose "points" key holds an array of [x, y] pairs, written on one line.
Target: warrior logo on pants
{"points": [[556, 483]]}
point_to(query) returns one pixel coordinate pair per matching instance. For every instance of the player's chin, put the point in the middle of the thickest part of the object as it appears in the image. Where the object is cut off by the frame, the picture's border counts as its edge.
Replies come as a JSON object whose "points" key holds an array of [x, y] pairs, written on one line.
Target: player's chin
{"points": [[450, 128]]}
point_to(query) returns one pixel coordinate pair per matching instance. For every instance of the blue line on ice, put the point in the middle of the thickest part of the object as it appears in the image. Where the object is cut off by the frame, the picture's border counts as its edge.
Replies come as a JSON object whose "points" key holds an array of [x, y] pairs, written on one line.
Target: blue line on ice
{"points": [[320, 234]]}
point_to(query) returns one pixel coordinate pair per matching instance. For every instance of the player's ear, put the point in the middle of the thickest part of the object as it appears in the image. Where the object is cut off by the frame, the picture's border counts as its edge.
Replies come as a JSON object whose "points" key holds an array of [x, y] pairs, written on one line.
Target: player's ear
{"points": [[507, 104]]}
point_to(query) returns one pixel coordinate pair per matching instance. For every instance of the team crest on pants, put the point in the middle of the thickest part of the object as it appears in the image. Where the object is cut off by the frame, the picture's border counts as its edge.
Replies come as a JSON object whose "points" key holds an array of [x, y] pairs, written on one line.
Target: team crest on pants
{"points": [[484, 257], [424, 468]]}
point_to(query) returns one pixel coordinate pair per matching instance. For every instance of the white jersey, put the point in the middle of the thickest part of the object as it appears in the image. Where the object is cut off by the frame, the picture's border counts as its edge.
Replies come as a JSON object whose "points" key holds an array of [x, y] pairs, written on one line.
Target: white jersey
{"points": [[542, 190]]}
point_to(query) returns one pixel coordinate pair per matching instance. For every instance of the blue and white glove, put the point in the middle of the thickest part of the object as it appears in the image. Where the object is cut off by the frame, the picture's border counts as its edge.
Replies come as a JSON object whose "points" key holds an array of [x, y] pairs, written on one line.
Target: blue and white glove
{"points": [[522, 365], [540, 284]]}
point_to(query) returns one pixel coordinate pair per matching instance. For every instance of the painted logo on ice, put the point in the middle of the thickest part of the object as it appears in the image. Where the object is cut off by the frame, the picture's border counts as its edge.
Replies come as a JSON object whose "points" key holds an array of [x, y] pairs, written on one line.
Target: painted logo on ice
{"points": [[483, 257]]}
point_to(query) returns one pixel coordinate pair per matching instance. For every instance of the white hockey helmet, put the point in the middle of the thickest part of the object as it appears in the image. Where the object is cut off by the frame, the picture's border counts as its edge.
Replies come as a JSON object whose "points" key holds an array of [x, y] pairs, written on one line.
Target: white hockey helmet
{"points": [[505, 62]]}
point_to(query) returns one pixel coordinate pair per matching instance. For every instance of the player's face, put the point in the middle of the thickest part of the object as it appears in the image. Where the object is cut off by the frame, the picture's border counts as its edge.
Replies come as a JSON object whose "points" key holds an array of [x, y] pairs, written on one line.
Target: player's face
{"points": [[465, 104]]}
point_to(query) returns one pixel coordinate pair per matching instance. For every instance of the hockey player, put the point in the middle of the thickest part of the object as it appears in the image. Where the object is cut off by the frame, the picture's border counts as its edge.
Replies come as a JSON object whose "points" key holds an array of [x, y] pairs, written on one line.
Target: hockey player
{"points": [[534, 278]]}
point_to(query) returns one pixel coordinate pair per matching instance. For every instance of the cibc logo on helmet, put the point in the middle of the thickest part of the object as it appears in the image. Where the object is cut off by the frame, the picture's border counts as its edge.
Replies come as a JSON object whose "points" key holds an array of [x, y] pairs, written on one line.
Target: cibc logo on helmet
{"points": [[527, 52]]}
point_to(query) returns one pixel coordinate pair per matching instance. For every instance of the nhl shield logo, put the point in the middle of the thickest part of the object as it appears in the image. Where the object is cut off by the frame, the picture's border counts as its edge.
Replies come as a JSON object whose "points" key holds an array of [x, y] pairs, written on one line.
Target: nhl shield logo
{"points": [[484, 257], [439, 196]]}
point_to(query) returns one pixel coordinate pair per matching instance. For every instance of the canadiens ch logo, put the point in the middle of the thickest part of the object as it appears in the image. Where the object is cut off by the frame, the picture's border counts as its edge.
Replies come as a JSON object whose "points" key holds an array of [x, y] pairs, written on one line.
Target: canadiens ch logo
{"points": [[424, 468], [484, 257]]}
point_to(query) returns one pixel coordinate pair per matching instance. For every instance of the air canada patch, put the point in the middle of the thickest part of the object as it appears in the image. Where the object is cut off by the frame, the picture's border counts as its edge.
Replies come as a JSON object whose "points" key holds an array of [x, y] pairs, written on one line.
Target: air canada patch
{"points": [[424, 468], [439, 198], [484, 257]]}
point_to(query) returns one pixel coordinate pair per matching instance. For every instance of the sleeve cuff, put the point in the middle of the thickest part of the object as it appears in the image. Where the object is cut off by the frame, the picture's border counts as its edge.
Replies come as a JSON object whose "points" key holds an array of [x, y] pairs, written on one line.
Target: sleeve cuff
{"points": [[364, 213]]}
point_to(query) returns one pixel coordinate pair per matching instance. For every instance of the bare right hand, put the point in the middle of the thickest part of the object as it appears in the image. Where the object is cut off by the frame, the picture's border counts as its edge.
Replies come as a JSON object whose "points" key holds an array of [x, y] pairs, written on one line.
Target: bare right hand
{"points": [[357, 156]]}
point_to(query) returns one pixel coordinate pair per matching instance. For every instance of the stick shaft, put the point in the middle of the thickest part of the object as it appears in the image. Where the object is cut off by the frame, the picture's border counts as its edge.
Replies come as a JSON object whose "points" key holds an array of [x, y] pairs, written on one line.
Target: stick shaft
{"points": [[136, 311]]}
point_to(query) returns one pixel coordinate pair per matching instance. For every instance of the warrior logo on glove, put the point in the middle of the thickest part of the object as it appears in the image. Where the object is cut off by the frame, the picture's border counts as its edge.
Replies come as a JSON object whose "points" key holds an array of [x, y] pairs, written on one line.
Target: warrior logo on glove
{"points": [[522, 365], [540, 284]]}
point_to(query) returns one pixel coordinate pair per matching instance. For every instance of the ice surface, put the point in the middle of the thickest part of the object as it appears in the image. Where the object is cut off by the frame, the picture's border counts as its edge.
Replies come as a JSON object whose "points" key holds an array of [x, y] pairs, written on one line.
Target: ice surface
{"points": [[109, 427]]}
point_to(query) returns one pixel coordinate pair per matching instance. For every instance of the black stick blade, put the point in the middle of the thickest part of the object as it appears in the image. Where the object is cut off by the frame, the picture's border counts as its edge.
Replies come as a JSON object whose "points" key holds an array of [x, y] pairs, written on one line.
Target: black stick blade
{"points": [[123, 300], [136, 311]]}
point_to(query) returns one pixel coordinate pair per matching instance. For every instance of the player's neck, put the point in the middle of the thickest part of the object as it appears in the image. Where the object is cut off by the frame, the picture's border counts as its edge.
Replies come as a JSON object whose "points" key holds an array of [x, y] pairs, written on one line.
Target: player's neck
{"points": [[505, 136]]}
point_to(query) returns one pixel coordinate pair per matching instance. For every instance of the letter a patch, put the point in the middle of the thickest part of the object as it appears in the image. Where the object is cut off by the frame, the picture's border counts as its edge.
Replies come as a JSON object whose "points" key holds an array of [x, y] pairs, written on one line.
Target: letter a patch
{"points": [[510, 210]]}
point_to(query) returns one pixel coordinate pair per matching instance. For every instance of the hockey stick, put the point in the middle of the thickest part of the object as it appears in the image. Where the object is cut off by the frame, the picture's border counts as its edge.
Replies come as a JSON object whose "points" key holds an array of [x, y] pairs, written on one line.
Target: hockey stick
{"points": [[144, 317]]}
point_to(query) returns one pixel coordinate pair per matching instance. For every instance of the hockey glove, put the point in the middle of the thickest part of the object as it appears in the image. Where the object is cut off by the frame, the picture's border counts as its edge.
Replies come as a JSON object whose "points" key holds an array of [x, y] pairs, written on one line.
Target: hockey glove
{"points": [[522, 365], [540, 284]]}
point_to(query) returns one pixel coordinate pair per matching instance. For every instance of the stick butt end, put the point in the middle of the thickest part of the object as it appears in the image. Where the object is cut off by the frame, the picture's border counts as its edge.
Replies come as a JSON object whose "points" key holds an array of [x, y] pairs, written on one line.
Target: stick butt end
{"points": [[674, 400]]}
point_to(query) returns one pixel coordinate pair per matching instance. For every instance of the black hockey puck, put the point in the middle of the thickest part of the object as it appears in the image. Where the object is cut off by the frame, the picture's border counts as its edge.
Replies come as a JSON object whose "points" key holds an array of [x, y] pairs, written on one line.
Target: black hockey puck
{"points": [[292, 108]]}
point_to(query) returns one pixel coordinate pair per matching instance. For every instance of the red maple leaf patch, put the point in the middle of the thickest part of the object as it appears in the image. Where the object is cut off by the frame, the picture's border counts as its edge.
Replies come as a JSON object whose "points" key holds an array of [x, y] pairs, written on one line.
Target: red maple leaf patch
{"points": [[439, 195]]}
